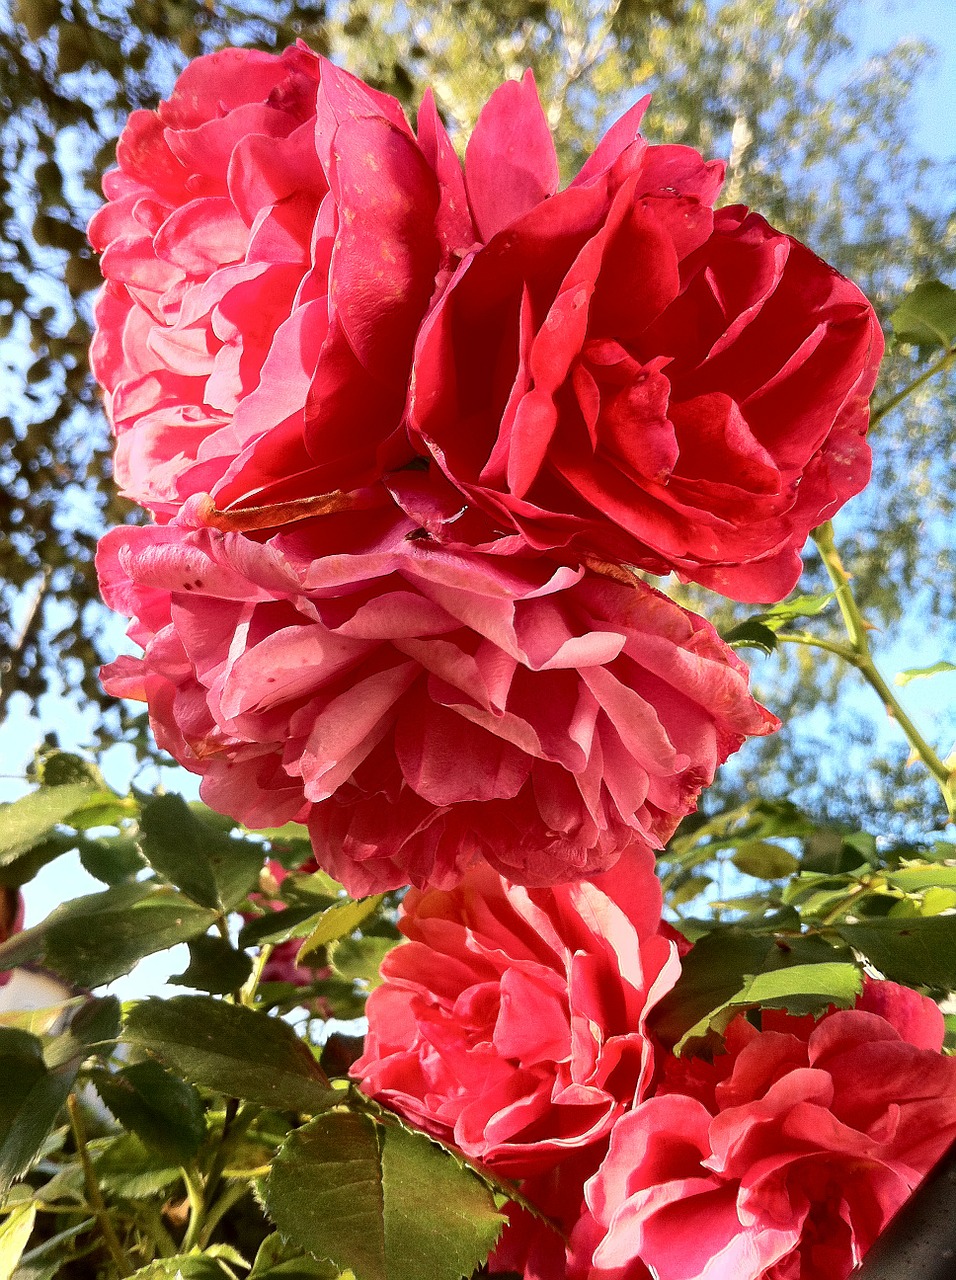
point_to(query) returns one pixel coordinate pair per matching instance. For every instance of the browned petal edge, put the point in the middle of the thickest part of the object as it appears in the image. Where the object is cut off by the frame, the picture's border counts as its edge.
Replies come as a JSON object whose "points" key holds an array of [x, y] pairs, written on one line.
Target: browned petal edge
{"points": [[248, 519]]}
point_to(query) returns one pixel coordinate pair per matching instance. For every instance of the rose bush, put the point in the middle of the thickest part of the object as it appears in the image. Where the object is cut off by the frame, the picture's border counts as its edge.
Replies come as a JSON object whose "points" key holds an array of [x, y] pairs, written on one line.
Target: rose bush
{"points": [[420, 708], [512, 1022], [621, 371], [781, 1160], [271, 240]]}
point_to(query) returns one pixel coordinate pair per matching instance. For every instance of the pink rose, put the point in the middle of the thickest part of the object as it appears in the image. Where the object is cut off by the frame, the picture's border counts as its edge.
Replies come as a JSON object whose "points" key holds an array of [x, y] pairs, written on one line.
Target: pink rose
{"points": [[270, 245], [512, 1023], [624, 372], [785, 1158], [418, 707]]}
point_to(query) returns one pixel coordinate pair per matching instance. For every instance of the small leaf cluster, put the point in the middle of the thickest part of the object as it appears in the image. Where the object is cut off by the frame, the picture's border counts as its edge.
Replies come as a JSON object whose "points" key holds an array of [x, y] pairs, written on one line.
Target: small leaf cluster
{"points": [[813, 909]]}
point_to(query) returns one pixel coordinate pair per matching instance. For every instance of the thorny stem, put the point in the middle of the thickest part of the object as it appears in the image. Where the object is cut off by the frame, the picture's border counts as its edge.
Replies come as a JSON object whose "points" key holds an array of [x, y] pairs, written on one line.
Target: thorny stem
{"points": [[93, 1193], [197, 1207], [858, 653], [881, 410]]}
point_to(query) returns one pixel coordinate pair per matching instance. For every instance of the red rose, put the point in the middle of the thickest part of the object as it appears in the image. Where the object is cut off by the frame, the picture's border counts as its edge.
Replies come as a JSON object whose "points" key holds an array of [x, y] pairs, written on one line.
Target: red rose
{"points": [[785, 1158], [419, 707], [624, 372], [270, 245], [512, 1022], [11, 921]]}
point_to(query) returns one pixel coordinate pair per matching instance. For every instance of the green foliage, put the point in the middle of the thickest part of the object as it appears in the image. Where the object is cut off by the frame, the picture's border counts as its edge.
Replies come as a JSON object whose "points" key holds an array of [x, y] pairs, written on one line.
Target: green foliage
{"points": [[926, 318], [14, 1234], [383, 1202], [92, 940], [195, 855], [338, 921], [164, 1112], [232, 1050]]}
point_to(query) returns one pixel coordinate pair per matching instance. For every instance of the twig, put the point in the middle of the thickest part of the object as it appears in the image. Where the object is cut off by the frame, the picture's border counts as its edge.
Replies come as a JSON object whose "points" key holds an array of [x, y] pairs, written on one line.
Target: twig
{"points": [[93, 1193]]}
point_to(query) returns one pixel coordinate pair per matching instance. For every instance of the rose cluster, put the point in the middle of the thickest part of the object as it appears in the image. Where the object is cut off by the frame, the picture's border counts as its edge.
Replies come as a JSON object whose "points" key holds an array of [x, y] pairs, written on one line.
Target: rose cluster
{"points": [[514, 1023], [407, 426], [412, 432]]}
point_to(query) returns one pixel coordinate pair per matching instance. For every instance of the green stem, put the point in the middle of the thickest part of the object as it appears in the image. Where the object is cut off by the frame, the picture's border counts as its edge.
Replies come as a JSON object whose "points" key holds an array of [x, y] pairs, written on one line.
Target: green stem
{"points": [[888, 406], [861, 657], [197, 1208], [230, 1196], [816, 642], [93, 1193], [839, 910], [247, 995], [237, 1121]]}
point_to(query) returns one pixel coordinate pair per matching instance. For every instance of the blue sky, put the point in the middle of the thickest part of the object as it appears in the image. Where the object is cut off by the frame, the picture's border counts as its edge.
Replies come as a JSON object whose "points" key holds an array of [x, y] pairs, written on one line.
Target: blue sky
{"points": [[879, 24]]}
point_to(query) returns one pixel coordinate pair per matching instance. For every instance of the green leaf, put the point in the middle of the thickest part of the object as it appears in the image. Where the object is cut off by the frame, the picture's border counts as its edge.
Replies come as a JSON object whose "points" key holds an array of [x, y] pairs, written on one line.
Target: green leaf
{"points": [[765, 860], [280, 926], [918, 952], [338, 921], [45, 1259], [25, 822], [760, 631], [751, 634], [164, 1112], [14, 1234], [111, 859], [798, 607], [277, 1259], [801, 988], [922, 673], [360, 959], [97, 938], [20, 869], [914, 878], [232, 1050], [30, 1101], [190, 847], [62, 768], [927, 316], [214, 966], [384, 1203], [724, 963], [687, 888], [173, 843], [96, 1023], [128, 1169], [190, 1266], [936, 901]]}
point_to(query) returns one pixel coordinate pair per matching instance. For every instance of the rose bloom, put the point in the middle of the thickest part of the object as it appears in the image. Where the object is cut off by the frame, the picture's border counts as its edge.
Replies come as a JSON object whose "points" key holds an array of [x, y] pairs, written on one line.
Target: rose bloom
{"points": [[418, 707], [623, 371], [512, 1022], [781, 1160], [270, 245]]}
